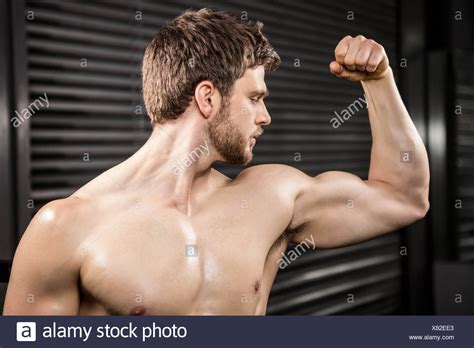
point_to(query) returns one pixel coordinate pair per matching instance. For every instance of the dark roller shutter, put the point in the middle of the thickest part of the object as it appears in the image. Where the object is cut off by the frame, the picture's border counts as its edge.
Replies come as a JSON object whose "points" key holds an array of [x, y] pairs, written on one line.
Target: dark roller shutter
{"points": [[86, 58], [464, 154], [92, 113]]}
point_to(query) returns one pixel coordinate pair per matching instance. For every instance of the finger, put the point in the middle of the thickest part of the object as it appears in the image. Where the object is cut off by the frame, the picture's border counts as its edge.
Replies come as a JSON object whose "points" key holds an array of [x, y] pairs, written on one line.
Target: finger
{"points": [[363, 55], [336, 68], [354, 46], [375, 58], [341, 49], [341, 71]]}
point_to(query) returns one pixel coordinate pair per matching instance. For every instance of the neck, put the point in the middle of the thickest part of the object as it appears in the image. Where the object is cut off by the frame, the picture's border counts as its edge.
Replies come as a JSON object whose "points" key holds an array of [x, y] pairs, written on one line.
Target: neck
{"points": [[175, 160]]}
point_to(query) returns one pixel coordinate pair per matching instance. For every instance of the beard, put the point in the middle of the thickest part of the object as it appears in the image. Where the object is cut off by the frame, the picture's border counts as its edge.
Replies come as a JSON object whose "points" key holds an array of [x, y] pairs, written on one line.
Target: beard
{"points": [[227, 139]]}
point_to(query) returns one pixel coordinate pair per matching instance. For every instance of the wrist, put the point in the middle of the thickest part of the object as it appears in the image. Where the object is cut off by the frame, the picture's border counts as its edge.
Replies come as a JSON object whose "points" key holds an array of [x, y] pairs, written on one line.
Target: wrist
{"points": [[387, 77]]}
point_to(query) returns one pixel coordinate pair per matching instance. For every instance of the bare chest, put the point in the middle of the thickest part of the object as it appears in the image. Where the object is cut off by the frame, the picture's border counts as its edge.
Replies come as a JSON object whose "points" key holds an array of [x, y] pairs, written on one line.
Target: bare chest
{"points": [[166, 265]]}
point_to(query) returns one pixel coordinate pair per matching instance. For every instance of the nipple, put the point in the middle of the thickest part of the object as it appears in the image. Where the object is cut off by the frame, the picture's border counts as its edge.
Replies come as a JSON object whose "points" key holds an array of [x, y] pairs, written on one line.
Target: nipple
{"points": [[139, 310], [257, 286]]}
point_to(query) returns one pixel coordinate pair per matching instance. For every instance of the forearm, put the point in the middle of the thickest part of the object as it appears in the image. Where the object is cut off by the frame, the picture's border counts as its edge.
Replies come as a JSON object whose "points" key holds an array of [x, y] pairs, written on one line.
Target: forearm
{"points": [[398, 154]]}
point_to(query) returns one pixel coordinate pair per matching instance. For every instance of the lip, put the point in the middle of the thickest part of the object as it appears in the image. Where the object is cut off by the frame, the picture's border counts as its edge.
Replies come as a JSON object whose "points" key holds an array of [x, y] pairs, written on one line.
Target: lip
{"points": [[253, 141]]}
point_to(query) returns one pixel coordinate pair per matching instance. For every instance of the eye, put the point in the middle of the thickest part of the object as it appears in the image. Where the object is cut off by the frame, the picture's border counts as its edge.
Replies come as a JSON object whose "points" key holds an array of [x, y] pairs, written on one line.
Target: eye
{"points": [[254, 100]]}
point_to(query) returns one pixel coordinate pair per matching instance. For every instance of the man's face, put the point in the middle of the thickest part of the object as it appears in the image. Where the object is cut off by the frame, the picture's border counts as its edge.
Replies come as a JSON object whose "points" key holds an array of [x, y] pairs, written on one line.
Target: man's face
{"points": [[238, 122]]}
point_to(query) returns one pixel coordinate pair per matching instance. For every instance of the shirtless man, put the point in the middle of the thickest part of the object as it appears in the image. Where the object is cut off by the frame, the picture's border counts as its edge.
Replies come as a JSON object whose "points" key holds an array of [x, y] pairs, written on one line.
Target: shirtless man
{"points": [[165, 234]]}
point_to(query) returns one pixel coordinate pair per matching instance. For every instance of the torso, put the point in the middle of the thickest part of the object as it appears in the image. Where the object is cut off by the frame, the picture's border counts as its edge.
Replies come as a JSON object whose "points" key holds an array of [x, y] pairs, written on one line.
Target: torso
{"points": [[137, 253]]}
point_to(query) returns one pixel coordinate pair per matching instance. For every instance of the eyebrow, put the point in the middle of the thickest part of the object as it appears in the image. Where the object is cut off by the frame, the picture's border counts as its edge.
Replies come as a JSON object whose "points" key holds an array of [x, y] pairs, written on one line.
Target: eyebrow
{"points": [[260, 93]]}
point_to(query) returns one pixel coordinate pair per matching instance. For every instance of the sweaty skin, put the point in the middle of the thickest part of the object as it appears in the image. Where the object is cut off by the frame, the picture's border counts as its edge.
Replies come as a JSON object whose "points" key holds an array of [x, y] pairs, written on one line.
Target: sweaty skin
{"points": [[152, 237]]}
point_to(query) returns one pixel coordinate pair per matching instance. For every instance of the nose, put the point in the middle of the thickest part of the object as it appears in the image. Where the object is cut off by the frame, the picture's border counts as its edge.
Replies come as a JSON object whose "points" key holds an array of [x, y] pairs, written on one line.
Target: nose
{"points": [[263, 117]]}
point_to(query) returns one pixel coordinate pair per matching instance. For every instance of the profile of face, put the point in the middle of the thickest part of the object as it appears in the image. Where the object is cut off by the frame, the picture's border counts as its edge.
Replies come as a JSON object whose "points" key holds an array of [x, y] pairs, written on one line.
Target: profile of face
{"points": [[237, 124]]}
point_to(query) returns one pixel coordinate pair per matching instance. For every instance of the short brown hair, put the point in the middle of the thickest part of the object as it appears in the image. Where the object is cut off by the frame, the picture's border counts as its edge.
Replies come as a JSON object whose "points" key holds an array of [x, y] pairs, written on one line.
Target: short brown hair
{"points": [[197, 46]]}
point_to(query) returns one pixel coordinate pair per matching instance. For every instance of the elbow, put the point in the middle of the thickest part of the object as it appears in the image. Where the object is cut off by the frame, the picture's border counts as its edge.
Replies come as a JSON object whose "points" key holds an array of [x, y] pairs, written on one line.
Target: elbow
{"points": [[421, 209], [419, 206], [419, 199], [414, 212]]}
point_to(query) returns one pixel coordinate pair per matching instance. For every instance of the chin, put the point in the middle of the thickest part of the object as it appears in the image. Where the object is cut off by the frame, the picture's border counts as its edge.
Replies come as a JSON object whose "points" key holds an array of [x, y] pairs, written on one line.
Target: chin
{"points": [[248, 160], [245, 155], [248, 157]]}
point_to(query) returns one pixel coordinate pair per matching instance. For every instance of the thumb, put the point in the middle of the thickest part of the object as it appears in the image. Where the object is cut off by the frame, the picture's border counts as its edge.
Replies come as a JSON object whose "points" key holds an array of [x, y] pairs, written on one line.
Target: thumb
{"points": [[341, 71], [336, 68]]}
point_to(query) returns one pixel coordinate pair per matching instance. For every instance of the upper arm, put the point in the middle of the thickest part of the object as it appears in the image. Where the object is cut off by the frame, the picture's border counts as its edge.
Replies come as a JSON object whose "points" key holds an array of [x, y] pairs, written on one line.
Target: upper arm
{"points": [[45, 270], [340, 209]]}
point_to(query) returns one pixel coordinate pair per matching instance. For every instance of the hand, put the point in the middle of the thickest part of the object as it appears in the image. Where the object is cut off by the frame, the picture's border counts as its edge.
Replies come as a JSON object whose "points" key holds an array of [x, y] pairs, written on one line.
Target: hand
{"points": [[359, 59]]}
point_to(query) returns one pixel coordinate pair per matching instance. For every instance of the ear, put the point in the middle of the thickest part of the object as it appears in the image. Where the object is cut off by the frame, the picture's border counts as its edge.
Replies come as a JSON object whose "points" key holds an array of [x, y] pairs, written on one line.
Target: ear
{"points": [[207, 98]]}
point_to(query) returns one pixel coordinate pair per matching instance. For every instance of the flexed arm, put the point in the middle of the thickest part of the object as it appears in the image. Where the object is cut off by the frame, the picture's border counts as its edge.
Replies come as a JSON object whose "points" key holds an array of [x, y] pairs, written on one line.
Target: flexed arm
{"points": [[339, 208]]}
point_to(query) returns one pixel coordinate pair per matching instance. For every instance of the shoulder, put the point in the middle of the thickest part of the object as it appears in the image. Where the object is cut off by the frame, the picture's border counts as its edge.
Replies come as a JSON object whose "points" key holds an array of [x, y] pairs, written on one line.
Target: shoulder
{"points": [[291, 180], [277, 170], [57, 226], [278, 178], [278, 173], [60, 212], [56, 213]]}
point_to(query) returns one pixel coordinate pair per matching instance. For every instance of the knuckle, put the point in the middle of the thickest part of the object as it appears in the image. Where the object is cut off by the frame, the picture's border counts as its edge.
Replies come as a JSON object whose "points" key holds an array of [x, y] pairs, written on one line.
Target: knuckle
{"points": [[367, 44], [360, 62], [349, 60], [373, 61], [371, 66], [339, 53], [360, 37], [378, 47]]}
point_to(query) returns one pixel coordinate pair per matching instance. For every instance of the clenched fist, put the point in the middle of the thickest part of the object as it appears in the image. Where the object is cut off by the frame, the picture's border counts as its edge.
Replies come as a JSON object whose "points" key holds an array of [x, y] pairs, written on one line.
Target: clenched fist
{"points": [[359, 59]]}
